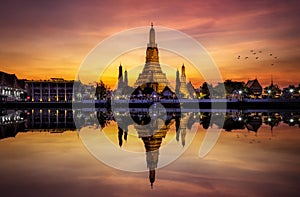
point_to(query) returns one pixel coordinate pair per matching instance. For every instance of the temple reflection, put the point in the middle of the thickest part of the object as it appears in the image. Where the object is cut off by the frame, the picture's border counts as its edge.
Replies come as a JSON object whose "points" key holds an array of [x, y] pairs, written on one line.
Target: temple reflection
{"points": [[122, 132], [181, 125], [152, 130]]}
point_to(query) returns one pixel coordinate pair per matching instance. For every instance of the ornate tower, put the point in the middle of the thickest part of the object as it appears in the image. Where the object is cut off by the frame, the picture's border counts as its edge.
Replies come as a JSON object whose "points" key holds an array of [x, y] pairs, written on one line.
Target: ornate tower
{"points": [[125, 78], [183, 86], [120, 77], [177, 83], [152, 71], [183, 72], [152, 50]]}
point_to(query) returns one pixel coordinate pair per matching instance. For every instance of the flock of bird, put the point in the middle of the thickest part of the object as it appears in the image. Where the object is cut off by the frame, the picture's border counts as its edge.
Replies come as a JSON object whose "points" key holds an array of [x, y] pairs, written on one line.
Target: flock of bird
{"points": [[258, 55]]}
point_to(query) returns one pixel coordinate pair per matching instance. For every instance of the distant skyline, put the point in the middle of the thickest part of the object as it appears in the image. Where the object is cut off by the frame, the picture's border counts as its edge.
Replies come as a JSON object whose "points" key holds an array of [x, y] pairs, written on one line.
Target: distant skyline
{"points": [[40, 40]]}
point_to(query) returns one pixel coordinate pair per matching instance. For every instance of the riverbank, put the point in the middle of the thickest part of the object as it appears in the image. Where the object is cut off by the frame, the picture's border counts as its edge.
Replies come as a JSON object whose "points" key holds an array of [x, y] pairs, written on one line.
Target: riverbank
{"points": [[183, 103]]}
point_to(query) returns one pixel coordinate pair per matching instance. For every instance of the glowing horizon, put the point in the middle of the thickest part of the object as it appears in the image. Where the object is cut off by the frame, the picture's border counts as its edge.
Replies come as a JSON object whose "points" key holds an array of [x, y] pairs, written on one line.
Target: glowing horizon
{"points": [[46, 39]]}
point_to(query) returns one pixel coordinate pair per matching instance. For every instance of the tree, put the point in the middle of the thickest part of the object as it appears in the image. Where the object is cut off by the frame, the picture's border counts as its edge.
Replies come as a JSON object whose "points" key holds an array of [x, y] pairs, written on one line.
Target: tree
{"points": [[205, 91], [272, 91], [102, 91], [231, 86]]}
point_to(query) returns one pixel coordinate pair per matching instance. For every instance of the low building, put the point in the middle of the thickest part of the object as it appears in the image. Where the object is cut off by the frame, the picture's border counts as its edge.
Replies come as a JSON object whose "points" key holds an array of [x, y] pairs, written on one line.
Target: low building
{"points": [[167, 93], [53, 90], [255, 88], [291, 92], [272, 91], [11, 88]]}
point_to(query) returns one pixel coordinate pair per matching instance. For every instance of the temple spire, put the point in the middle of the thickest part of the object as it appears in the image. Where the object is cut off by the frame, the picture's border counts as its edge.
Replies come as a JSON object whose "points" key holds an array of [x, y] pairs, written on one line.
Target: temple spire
{"points": [[152, 71], [120, 77], [125, 78], [152, 37], [120, 71], [271, 79], [183, 70]]}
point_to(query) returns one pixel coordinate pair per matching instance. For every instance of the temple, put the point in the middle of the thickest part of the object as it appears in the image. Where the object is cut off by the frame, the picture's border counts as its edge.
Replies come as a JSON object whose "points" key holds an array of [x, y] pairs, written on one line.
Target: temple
{"points": [[152, 72], [123, 88], [183, 89], [152, 81]]}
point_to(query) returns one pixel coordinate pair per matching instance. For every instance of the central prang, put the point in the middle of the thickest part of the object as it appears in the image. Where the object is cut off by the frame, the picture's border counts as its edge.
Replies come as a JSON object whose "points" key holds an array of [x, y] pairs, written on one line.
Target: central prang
{"points": [[152, 55]]}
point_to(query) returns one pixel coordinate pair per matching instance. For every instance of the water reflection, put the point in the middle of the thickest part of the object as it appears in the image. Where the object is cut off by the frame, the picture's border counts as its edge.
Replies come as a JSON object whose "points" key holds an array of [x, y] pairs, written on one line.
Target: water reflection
{"points": [[53, 120], [151, 129], [59, 120], [11, 122]]}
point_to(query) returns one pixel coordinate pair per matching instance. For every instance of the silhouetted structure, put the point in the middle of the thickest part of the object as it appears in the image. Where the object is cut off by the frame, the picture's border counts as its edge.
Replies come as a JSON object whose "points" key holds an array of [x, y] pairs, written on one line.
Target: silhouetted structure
{"points": [[151, 134], [11, 88], [255, 87], [152, 71]]}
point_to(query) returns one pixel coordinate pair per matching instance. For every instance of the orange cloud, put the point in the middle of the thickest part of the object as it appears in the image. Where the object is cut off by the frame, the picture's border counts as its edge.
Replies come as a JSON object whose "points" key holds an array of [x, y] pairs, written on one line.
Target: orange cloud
{"points": [[46, 39]]}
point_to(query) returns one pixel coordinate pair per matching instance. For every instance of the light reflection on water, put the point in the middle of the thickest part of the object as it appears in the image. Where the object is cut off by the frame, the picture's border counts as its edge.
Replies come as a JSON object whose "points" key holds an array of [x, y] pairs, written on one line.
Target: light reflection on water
{"points": [[59, 120], [243, 133]]}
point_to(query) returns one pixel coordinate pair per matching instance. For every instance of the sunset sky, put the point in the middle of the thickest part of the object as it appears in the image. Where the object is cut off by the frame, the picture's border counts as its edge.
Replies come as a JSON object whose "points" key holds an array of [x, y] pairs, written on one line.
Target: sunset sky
{"points": [[44, 39]]}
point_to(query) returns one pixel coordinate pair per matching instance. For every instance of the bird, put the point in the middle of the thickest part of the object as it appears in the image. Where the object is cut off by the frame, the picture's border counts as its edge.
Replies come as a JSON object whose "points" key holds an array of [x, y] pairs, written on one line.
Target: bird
{"points": [[251, 51], [271, 54], [254, 53], [272, 64], [259, 51], [256, 57], [246, 57], [275, 57], [239, 57]]}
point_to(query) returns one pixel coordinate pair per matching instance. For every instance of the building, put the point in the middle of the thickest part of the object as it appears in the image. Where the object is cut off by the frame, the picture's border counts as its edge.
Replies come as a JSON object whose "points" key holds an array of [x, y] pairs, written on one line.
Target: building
{"points": [[153, 79], [167, 93], [122, 81], [53, 90], [152, 71], [183, 89], [272, 91], [120, 85], [123, 90], [291, 92], [11, 88], [255, 87]]}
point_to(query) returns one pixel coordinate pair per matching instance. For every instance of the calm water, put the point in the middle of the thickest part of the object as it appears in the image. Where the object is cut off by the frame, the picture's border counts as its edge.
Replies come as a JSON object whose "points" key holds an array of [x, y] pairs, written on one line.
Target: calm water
{"points": [[42, 154]]}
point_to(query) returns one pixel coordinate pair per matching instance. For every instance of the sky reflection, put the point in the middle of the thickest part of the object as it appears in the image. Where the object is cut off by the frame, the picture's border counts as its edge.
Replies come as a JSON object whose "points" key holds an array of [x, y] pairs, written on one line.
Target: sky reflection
{"points": [[241, 164]]}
